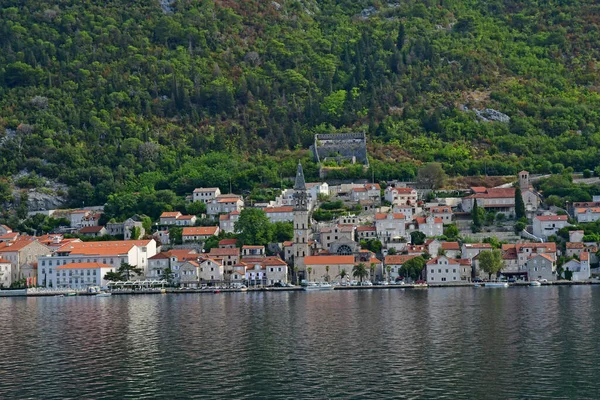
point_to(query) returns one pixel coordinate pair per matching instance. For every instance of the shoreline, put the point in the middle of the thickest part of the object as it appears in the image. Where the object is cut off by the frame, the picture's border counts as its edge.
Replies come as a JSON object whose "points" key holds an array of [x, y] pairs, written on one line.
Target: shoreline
{"points": [[25, 293]]}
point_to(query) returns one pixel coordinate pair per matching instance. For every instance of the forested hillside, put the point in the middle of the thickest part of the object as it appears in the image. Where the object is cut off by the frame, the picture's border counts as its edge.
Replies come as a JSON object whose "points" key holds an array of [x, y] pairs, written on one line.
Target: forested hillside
{"points": [[131, 97]]}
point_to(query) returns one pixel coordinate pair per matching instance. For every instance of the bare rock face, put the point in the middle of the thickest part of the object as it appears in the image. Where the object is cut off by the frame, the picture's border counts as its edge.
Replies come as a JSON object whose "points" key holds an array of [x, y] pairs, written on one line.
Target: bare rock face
{"points": [[37, 201]]}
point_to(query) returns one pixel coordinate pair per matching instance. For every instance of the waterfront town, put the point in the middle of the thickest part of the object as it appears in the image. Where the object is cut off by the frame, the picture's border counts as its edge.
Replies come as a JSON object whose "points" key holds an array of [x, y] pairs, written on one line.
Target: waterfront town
{"points": [[385, 235]]}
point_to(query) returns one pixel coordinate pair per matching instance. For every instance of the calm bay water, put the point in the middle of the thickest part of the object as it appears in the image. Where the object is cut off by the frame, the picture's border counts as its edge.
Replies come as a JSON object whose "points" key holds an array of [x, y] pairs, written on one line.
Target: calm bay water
{"points": [[436, 343]]}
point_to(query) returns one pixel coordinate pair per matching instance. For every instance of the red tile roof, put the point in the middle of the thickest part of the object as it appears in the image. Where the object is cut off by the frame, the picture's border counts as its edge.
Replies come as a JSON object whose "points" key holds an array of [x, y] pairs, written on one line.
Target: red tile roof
{"points": [[551, 217], [227, 242], [200, 231], [91, 229], [450, 246], [382, 216], [399, 259], [170, 214], [402, 190], [224, 252], [85, 265], [114, 247], [451, 261], [584, 256]]}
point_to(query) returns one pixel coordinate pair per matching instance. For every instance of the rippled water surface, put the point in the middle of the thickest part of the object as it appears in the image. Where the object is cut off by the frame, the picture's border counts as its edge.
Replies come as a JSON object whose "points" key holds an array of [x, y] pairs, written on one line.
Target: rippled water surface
{"points": [[436, 343]]}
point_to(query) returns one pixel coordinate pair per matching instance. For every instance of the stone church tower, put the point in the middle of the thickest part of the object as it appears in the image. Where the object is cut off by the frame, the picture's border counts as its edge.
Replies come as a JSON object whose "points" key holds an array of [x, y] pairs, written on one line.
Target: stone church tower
{"points": [[301, 229]]}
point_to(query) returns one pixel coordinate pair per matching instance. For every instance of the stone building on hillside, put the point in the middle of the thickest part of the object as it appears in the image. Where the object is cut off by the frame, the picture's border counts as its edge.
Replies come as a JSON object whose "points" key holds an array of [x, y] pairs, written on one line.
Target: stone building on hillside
{"points": [[341, 147]]}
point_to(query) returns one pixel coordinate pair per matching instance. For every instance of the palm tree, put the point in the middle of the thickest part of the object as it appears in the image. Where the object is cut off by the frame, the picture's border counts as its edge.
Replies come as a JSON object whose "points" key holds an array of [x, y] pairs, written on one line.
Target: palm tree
{"points": [[327, 270], [309, 270], [296, 274], [342, 274], [359, 271], [388, 269]]}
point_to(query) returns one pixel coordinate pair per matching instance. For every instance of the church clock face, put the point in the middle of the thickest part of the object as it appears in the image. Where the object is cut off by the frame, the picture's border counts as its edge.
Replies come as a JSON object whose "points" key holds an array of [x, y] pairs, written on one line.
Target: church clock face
{"points": [[299, 233]]}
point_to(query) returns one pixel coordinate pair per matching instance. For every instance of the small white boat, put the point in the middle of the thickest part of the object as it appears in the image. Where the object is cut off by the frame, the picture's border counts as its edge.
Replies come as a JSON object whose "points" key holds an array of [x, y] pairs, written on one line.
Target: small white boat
{"points": [[314, 286], [535, 283], [496, 284], [103, 294], [477, 285]]}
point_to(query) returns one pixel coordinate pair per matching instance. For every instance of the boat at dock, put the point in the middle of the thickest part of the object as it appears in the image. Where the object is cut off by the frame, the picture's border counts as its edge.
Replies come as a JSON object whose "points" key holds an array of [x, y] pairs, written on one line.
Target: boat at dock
{"points": [[315, 286], [103, 294], [535, 283], [496, 284]]}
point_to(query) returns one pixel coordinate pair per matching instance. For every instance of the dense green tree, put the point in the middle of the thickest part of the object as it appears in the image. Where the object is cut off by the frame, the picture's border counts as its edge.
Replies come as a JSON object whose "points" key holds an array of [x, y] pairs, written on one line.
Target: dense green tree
{"points": [[476, 216], [490, 261], [412, 268], [254, 227], [417, 238]]}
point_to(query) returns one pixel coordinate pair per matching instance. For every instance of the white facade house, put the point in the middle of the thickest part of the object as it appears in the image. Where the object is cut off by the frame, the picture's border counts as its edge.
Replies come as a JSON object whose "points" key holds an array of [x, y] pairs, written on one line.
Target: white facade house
{"points": [[400, 195], [443, 270], [77, 217], [395, 263], [548, 225], [431, 226], [442, 212], [500, 200], [205, 195], [211, 270], [112, 253], [470, 250], [587, 214], [391, 226], [80, 275], [280, 214], [580, 269], [224, 204], [5, 273], [198, 233]]}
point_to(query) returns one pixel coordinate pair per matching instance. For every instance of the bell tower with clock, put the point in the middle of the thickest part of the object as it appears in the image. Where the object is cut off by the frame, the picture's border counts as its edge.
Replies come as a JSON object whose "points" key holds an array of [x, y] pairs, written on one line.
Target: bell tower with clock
{"points": [[301, 229]]}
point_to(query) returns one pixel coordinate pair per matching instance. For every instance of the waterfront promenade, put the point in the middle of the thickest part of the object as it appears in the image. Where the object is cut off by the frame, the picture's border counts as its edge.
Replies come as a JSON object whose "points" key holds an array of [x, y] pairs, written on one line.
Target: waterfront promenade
{"points": [[41, 292]]}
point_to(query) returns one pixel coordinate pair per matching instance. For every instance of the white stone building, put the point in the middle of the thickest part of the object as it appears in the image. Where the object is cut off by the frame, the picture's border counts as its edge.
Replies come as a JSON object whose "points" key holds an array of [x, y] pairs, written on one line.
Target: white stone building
{"points": [[391, 226], [198, 233], [280, 214], [548, 225], [224, 204], [112, 253], [205, 195], [443, 269], [400, 195]]}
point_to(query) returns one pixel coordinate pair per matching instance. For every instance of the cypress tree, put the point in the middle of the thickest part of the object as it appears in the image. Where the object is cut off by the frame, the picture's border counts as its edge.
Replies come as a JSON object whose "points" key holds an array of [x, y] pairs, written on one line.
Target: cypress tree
{"points": [[401, 37], [519, 204], [475, 215]]}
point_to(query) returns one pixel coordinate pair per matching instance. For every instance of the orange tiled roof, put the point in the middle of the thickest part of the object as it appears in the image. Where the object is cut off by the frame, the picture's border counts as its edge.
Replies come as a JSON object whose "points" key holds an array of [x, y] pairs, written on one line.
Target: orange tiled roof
{"points": [[226, 242], [551, 217], [382, 216], [224, 252], [399, 259], [200, 231], [450, 246], [114, 247], [170, 214]]}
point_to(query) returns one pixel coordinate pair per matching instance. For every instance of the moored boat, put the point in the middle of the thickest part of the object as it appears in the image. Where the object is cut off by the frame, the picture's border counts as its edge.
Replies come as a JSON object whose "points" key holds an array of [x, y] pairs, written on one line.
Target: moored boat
{"points": [[103, 294], [535, 283], [314, 286], [496, 284]]}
